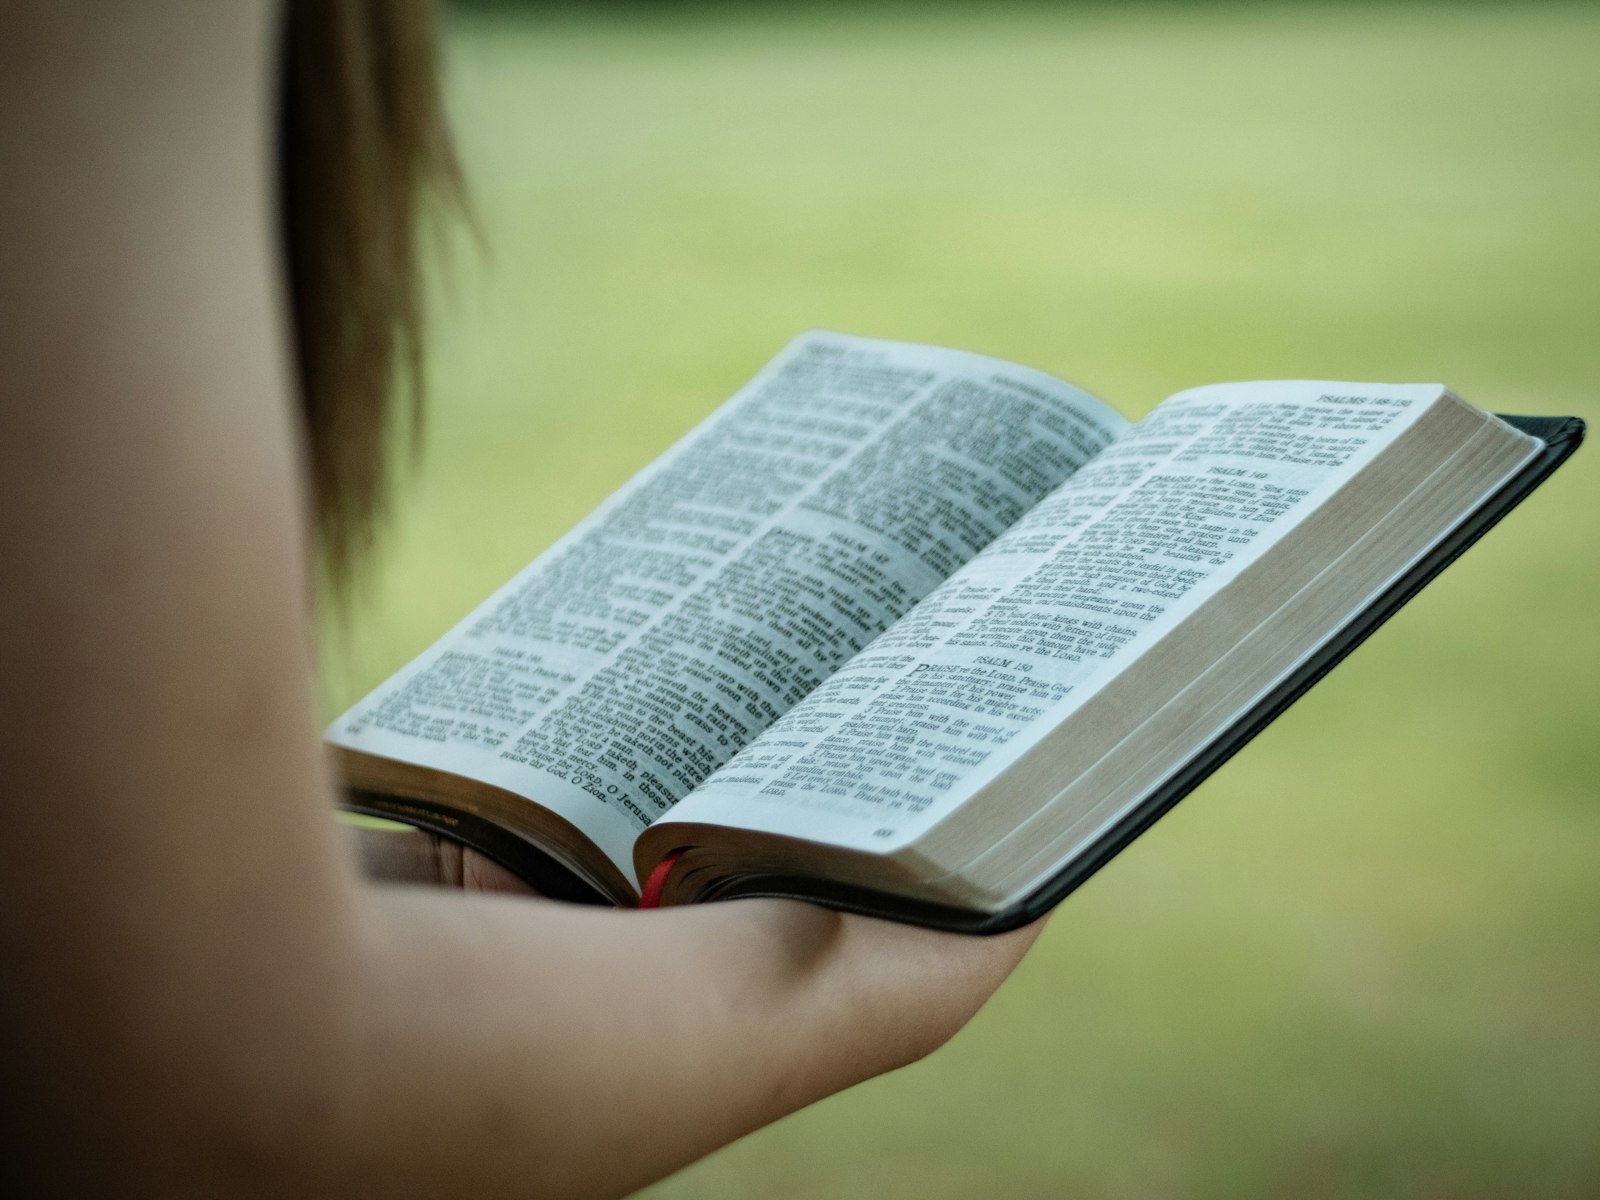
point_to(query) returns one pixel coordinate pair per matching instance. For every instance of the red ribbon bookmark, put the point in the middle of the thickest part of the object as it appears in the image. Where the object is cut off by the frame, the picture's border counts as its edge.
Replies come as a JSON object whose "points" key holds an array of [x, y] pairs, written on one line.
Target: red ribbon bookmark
{"points": [[650, 896]]}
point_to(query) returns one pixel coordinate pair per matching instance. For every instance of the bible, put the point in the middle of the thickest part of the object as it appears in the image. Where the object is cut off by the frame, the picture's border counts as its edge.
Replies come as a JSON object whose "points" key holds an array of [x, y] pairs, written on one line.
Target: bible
{"points": [[921, 634]]}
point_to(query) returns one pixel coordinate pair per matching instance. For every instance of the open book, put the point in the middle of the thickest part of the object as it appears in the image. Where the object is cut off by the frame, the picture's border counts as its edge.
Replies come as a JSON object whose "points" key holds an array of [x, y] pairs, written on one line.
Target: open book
{"points": [[918, 633]]}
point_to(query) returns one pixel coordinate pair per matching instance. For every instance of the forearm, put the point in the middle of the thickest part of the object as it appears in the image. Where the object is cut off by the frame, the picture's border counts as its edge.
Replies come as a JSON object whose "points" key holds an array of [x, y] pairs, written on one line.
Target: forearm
{"points": [[695, 1026]]}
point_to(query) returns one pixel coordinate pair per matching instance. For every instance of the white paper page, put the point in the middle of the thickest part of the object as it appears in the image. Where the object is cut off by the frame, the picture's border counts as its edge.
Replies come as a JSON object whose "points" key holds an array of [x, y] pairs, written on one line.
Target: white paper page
{"points": [[729, 578], [1011, 644]]}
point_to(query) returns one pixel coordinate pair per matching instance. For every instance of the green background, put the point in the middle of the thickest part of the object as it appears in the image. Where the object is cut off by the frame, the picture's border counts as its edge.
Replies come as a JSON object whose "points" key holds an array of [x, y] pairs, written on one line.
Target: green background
{"points": [[1364, 960]]}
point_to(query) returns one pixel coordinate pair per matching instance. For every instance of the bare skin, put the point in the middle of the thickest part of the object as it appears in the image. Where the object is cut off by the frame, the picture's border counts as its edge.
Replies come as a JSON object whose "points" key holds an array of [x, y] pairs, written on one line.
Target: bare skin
{"points": [[203, 995], [412, 856]]}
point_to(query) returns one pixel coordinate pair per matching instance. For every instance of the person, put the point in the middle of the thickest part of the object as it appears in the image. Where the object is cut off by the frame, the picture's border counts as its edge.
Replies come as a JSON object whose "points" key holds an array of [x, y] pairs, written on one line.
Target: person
{"points": [[204, 996]]}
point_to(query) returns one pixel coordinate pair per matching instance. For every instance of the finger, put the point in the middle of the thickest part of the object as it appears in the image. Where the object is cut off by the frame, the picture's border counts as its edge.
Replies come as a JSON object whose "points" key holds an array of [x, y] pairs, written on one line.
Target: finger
{"points": [[399, 855], [481, 874], [416, 856]]}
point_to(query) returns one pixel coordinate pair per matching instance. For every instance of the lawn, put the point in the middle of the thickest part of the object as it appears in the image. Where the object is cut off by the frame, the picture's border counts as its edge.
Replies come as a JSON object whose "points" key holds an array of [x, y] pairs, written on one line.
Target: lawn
{"points": [[1364, 960]]}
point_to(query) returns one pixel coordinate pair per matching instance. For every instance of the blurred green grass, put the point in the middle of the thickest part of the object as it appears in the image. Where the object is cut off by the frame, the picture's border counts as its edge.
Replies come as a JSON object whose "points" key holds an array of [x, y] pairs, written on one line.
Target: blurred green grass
{"points": [[1365, 959]]}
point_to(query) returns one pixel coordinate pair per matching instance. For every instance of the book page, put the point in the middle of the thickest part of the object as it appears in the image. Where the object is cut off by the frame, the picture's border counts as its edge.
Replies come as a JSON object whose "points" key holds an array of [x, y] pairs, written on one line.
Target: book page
{"points": [[731, 577], [1006, 648]]}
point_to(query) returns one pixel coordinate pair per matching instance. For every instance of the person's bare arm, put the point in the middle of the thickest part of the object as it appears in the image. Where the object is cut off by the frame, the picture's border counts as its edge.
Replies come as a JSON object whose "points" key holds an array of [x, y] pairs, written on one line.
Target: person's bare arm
{"points": [[202, 997]]}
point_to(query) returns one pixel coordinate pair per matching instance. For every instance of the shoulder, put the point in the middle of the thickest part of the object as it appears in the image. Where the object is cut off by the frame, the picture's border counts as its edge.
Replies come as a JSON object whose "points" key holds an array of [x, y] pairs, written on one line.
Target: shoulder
{"points": [[114, 112]]}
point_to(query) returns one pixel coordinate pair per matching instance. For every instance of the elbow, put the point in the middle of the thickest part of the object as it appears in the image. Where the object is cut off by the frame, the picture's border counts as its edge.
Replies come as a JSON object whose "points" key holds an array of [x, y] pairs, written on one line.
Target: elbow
{"points": [[178, 1083]]}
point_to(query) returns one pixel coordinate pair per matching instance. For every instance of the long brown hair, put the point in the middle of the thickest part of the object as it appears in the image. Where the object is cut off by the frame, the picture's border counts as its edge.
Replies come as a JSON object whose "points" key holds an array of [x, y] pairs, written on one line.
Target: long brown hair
{"points": [[364, 155]]}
